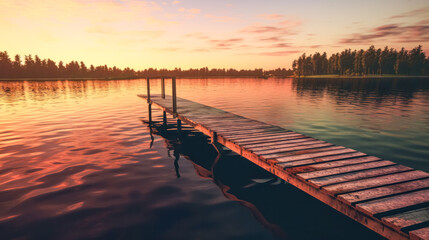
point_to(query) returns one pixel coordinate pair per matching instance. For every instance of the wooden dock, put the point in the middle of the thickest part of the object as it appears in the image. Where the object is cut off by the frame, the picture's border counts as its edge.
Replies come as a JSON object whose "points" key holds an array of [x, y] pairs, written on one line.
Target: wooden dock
{"points": [[390, 199]]}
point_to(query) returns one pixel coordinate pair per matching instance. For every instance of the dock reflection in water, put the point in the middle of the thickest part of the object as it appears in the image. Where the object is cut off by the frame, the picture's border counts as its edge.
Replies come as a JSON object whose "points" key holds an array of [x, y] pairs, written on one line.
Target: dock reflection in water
{"points": [[285, 210]]}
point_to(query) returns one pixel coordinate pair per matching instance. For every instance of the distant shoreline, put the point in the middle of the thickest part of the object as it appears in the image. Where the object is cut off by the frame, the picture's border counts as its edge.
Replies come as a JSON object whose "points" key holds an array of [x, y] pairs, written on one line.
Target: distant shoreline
{"points": [[214, 77], [364, 76]]}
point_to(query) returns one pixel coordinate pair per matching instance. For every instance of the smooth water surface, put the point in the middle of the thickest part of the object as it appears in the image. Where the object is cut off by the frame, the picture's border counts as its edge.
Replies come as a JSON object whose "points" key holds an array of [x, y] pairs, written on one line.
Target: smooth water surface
{"points": [[76, 162]]}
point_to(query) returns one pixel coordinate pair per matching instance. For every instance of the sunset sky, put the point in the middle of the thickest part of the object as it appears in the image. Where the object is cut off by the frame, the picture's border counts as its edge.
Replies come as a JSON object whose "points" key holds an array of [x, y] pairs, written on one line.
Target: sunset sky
{"points": [[198, 33]]}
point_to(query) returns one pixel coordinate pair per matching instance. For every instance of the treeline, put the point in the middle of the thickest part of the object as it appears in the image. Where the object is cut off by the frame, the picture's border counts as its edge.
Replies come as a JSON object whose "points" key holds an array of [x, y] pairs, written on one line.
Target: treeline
{"points": [[35, 67], [363, 62]]}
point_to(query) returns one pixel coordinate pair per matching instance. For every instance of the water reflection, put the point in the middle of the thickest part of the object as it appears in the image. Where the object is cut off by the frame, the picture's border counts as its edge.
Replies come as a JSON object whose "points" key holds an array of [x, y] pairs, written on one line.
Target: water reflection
{"points": [[362, 90], [286, 211], [75, 155]]}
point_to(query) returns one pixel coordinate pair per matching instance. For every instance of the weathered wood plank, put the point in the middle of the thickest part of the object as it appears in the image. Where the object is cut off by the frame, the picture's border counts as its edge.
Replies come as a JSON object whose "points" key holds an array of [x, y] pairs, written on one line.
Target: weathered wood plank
{"points": [[226, 126], [384, 191], [250, 135], [294, 148], [277, 140], [407, 219], [393, 203], [346, 157], [347, 177], [255, 135], [301, 152], [315, 155], [237, 129], [330, 164], [374, 182], [420, 234], [222, 120], [261, 139], [345, 169], [249, 130], [273, 146]]}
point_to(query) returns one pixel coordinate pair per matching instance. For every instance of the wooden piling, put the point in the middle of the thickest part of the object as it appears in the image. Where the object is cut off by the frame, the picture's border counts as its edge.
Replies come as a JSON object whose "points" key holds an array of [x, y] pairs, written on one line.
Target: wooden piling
{"points": [[173, 82], [164, 118], [163, 87], [148, 89], [179, 126]]}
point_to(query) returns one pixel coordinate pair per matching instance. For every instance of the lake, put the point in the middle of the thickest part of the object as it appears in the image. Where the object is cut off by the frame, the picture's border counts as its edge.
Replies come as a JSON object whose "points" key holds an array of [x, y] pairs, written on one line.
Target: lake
{"points": [[77, 162]]}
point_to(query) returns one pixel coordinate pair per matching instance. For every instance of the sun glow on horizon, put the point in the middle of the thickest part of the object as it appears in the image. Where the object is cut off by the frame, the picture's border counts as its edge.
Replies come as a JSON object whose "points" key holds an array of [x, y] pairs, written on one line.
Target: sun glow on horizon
{"points": [[194, 34]]}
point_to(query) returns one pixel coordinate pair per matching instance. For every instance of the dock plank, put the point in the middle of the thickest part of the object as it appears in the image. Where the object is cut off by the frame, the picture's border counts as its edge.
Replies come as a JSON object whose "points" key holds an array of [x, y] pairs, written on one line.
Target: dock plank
{"points": [[260, 139], [303, 152], [252, 131], [329, 164], [284, 145], [365, 195], [251, 135], [345, 169], [375, 182], [407, 219], [395, 202], [292, 148], [347, 177], [306, 155], [344, 157], [277, 140], [420, 234]]}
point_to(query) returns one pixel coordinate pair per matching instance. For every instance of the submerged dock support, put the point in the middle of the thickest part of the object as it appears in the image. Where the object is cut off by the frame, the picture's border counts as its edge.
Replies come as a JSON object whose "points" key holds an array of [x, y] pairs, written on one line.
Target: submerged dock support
{"points": [[173, 82], [219, 149], [179, 126], [164, 119], [149, 101], [216, 144]]}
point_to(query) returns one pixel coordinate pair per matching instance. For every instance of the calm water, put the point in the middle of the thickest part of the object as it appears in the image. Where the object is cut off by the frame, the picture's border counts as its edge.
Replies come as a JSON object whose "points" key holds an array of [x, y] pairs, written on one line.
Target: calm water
{"points": [[76, 162]]}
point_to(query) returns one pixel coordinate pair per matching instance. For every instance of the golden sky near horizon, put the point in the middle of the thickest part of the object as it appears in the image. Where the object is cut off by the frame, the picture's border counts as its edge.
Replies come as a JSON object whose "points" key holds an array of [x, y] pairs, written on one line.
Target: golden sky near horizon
{"points": [[194, 34]]}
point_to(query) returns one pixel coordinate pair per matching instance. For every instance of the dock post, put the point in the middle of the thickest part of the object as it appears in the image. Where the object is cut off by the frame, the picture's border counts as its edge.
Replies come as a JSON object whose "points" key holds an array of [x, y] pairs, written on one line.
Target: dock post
{"points": [[150, 113], [148, 90], [164, 119], [216, 144], [163, 87], [179, 126], [174, 97], [149, 101]]}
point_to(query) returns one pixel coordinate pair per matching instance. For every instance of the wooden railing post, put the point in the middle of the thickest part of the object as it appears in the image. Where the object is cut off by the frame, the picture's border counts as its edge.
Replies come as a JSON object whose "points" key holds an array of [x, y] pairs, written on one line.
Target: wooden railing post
{"points": [[174, 97], [148, 90], [163, 87], [148, 101]]}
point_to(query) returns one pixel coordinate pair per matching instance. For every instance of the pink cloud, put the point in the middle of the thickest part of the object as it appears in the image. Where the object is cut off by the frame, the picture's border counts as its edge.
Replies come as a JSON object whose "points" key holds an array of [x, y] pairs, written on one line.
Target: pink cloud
{"points": [[395, 32], [420, 11]]}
